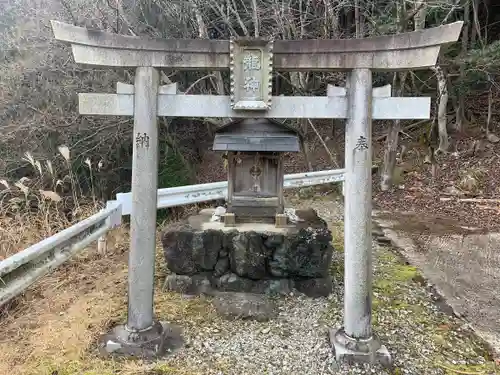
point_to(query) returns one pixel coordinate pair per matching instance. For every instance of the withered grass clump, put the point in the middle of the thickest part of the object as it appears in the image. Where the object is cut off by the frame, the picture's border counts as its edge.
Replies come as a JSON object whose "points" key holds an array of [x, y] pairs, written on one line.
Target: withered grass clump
{"points": [[54, 326], [57, 319], [36, 208]]}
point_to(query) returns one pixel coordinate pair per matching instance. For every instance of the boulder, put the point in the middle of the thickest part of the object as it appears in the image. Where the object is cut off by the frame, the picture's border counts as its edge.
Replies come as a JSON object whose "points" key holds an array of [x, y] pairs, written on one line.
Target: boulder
{"points": [[321, 287], [249, 255], [244, 306], [305, 254], [191, 285], [221, 267], [206, 247], [177, 245], [188, 252], [233, 283]]}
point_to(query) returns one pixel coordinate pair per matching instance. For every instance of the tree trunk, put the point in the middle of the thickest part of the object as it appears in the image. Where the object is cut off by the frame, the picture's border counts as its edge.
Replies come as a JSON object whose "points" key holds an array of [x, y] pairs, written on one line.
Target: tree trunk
{"points": [[460, 111], [442, 109], [391, 147], [332, 157], [476, 30], [491, 137], [420, 15], [256, 22], [299, 80], [333, 142], [358, 19], [392, 139], [488, 119], [305, 149]]}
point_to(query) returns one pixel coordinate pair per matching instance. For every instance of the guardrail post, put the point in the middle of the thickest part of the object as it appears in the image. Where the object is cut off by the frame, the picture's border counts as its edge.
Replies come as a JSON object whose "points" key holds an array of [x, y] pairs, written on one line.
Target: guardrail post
{"points": [[142, 335], [102, 245], [355, 341], [114, 220]]}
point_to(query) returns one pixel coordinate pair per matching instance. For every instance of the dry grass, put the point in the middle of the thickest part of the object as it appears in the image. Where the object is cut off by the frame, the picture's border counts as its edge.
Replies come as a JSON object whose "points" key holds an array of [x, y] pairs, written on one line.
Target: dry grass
{"points": [[59, 314], [54, 328], [32, 209], [472, 180]]}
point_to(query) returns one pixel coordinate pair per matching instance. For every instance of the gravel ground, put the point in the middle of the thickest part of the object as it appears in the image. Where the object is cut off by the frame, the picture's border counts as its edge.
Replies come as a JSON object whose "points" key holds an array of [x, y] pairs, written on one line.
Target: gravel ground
{"points": [[421, 338], [294, 343], [55, 330]]}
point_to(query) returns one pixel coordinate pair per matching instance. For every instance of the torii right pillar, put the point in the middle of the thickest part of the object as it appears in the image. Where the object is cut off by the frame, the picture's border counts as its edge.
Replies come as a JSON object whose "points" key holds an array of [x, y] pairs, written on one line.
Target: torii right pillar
{"points": [[355, 341]]}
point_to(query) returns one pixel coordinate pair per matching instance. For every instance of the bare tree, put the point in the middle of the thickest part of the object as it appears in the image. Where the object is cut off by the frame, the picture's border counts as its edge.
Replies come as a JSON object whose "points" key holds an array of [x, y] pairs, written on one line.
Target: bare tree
{"points": [[292, 19], [442, 116], [460, 109], [419, 15], [391, 143]]}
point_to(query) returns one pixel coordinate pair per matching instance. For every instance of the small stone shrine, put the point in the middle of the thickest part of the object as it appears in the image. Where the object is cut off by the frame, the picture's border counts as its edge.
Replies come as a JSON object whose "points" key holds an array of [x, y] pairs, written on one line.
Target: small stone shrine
{"points": [[255, 168]]}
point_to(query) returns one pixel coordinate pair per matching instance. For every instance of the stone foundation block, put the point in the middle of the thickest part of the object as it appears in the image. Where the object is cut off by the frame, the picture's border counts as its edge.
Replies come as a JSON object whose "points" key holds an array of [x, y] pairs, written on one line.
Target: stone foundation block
{"points": [[315, 287], [250, 257]]}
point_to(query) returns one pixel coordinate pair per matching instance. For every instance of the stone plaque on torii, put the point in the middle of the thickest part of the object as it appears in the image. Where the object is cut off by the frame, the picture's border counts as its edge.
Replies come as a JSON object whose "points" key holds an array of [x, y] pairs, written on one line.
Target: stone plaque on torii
{"points": [[251, 62]]}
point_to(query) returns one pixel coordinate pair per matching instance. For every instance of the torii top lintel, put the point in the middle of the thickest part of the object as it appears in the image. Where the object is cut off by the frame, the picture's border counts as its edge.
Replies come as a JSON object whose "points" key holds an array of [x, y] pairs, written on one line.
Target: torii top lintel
{"points": [[413, 50]]}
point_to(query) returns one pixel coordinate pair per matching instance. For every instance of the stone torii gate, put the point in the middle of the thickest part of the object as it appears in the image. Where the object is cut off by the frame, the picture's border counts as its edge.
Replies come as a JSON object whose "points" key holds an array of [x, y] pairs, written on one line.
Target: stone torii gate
{"points": [[251, 61]]}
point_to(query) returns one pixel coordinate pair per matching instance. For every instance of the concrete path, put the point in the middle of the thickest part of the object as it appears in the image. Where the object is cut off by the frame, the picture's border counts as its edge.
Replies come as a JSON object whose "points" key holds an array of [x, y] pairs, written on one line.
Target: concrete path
{"points": [[463, 264]]}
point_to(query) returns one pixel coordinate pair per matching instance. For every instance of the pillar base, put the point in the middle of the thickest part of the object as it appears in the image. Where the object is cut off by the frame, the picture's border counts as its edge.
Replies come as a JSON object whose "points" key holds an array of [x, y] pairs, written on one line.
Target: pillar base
{"points": [[159, 340], [229, 220], [349, 350], [281, 221]]}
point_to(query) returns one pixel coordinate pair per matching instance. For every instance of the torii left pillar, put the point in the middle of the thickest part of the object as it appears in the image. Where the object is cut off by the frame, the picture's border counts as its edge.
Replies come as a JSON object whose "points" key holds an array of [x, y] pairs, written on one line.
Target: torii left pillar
{"points": [[142, 335]]}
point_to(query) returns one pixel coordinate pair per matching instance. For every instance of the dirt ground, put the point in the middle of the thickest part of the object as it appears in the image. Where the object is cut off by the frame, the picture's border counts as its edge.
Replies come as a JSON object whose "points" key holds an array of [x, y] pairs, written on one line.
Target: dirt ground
{"points": [[462, 264], [54, 327], [465, 186]]}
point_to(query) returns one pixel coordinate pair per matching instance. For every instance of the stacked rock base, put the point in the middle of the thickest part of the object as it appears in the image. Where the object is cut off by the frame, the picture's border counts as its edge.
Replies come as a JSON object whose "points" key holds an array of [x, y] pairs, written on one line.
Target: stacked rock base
{"points": [[204, 256]]}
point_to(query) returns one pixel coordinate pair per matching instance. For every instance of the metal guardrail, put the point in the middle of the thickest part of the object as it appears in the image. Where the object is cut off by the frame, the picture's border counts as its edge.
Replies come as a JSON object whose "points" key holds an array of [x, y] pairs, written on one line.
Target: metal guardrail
{"points": [[21, 270], [178, 196]]}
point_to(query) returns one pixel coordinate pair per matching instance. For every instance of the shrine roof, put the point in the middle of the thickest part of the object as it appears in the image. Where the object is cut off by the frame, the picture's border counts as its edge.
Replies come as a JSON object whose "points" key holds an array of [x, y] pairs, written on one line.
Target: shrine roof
{"points": [[259, 135]]}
